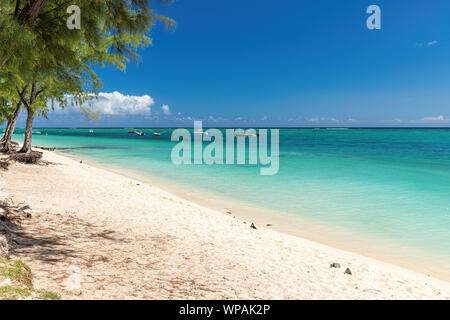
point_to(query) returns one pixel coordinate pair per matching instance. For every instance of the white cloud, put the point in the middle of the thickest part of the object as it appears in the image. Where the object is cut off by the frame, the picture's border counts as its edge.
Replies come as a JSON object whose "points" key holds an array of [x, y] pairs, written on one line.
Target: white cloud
{"points": [[323, 120], [165, 109], [440, 118], [115, 103], [214, 119], [427, 44]]}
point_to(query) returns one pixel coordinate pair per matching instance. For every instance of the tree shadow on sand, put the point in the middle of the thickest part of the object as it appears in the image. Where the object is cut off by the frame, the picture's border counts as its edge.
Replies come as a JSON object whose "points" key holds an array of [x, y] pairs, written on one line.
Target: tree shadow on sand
{"points": [[39, 236]]}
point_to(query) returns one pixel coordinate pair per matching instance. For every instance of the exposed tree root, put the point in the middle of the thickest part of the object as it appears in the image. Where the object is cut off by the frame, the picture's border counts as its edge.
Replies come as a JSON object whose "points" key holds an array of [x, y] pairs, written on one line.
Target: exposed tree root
{"points": [[32, 157]]}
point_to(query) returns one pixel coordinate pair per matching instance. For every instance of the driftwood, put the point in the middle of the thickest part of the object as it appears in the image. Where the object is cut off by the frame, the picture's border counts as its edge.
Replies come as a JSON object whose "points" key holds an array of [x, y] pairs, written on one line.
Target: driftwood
{"points": [[4, 165], [30, 157], [44, 148], [4, 245]]}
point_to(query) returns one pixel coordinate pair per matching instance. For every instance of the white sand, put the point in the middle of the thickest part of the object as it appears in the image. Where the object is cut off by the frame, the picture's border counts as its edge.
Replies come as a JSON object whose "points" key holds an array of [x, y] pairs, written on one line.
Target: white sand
{"points": [[133, 240]]}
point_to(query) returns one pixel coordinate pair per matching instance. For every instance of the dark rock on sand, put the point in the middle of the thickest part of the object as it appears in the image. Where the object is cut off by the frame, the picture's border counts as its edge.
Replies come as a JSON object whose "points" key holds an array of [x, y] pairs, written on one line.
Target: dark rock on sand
{"points": [[252, 226], [348, 271], [335, 265]]}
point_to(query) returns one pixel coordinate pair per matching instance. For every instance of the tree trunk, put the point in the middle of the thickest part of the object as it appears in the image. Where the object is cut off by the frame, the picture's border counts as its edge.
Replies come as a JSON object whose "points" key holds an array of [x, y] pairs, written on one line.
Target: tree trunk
{"points": [[28, 15], [6, 141], [31, 11], [6, 131], [26, 148]]}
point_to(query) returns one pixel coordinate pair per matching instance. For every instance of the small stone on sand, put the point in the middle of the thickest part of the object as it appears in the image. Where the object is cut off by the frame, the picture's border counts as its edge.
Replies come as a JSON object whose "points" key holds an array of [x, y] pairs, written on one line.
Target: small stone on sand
{"points": [[335, 265]]}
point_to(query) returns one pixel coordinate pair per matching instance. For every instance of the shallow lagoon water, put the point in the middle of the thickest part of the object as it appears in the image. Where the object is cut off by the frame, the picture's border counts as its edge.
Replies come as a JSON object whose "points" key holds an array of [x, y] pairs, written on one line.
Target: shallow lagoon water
{"points": [[390, 184]]}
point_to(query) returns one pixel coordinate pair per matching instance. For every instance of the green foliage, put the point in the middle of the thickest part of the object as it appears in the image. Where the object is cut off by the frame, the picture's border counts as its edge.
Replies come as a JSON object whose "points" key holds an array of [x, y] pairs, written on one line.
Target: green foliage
{"points": [[13, 293], [17, 282], [47, 295], [16, 271], [62, 61]]}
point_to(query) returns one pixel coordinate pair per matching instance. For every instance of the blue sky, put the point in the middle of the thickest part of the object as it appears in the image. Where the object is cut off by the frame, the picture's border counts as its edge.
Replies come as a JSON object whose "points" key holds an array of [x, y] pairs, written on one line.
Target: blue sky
{"points": [[285, 63]]}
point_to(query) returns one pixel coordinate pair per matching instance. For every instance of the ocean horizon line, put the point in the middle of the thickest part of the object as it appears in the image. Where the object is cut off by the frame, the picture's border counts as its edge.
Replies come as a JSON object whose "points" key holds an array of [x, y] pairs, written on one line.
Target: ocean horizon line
{"points": [[244, 127]]}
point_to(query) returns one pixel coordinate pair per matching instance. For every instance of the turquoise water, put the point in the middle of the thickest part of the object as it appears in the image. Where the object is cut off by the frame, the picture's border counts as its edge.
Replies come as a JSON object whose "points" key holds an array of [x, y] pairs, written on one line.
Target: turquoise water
{"points": [[392, 184]]}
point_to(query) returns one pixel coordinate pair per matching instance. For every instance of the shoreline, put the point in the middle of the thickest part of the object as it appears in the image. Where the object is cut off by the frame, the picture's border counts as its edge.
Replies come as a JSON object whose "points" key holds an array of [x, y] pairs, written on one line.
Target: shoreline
{"points": [[301, 227], [296, 261]]}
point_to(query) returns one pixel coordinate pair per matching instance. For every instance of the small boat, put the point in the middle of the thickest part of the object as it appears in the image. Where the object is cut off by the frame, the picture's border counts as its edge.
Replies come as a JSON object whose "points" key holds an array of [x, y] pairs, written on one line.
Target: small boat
{"points": [[201, 132], [246, 134], [35, 132], [91, 131], [156, 134], [137, 132]]}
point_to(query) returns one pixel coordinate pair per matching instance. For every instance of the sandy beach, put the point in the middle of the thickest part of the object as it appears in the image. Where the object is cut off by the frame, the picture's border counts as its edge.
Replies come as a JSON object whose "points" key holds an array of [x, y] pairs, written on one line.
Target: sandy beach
{"points": [[130, 240]]}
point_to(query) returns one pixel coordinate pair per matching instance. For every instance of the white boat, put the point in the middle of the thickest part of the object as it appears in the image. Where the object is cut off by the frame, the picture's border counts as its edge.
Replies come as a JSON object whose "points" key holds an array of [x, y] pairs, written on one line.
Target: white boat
{"points": [[156, 134], [35, 132], [137, 132], [246, 134], [91, 131]]}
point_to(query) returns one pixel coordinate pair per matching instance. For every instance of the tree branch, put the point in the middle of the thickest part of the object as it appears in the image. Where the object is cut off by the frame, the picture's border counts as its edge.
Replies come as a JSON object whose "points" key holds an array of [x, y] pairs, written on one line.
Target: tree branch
{"points": [[16, 10], [24, 101], [40, 91]]}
